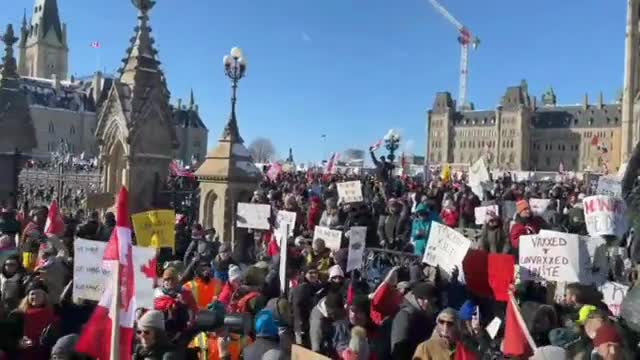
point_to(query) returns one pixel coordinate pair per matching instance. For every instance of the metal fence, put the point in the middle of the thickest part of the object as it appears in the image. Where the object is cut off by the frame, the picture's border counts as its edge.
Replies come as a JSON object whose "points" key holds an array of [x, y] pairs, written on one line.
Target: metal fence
{"points": [[39, 187]]}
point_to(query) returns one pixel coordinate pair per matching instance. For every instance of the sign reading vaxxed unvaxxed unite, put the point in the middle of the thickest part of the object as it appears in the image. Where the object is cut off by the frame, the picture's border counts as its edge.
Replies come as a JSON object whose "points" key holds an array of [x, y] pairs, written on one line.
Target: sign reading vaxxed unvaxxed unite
{"points": [[446, 248], [550, 255], [89, 277]]}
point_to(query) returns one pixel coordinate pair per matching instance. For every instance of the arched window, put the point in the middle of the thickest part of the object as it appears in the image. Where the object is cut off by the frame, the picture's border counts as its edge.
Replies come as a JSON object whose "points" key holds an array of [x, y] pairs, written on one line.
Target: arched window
{"points": [[72, 130], [51, 128]]}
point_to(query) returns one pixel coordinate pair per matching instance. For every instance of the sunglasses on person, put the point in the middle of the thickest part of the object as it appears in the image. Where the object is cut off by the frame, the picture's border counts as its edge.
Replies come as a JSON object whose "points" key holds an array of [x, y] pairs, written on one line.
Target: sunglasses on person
{"points": [[143, 332]]}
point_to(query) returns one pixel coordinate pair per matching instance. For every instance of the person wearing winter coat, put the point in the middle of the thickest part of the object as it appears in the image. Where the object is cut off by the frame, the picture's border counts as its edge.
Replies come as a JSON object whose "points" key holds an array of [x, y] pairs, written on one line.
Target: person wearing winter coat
{"points": [[302, 300], [266, 336], [449, 214], [525, 224], [153, 343], [36, 314], [394, 226], [421, 228], [468, 203], [314, 213], [329, 310], [493, 238], [12, 283], [330, 217], [414, 322], [446, 342]]}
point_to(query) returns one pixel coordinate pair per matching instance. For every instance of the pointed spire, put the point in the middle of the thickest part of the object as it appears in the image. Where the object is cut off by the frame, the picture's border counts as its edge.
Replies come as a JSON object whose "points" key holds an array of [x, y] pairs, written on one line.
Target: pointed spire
{"points": [[192, 101], [601, 100], [9, 68], [141, 54], [49, 20], [585, 101], [24, 19]]}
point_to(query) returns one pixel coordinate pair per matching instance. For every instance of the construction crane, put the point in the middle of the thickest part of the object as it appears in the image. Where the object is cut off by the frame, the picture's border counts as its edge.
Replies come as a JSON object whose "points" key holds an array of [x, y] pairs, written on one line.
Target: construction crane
{"points": [[466, 39]]}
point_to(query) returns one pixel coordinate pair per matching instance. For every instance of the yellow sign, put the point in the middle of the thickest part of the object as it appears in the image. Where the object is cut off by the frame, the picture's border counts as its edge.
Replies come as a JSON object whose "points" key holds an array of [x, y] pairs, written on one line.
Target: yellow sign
{"points": [[446, 173], [155, 228]]}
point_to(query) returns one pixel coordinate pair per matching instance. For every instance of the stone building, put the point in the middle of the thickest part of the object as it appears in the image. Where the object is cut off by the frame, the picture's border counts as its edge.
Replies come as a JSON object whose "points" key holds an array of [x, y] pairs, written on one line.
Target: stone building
{"points": [[64, 107], [522, 134]]}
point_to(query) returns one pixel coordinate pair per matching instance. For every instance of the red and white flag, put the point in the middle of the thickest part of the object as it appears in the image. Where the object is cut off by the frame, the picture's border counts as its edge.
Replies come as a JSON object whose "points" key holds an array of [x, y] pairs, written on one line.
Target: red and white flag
{"points": [[55, 224], [95, 338], [376, 146], [517, 339], [330, 168], [95, 44], [274, 171]]}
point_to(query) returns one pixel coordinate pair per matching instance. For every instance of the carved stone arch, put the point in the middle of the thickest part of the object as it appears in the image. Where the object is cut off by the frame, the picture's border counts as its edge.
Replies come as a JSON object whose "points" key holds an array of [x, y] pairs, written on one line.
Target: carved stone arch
{"points": [[208, 210]]}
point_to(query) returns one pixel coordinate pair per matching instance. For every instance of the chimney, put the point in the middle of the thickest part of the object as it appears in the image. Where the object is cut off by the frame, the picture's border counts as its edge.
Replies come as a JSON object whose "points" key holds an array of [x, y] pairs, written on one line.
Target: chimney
{"points": [[586, 101], [97, 86]]}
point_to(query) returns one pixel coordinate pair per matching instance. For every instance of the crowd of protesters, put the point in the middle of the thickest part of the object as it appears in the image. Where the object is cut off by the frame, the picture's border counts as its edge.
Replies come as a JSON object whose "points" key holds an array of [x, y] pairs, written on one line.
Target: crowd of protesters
{"points": [[414, 312]]}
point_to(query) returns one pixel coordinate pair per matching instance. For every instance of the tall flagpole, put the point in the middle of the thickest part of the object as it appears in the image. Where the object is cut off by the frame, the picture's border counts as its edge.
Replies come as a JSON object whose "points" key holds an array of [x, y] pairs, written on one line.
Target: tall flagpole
{"points": [[115, 313]]}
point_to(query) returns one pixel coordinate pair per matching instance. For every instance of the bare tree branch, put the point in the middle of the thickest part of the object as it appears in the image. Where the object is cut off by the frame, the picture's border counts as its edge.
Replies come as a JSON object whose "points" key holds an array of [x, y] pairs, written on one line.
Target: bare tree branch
{"points": [[262, 150]]}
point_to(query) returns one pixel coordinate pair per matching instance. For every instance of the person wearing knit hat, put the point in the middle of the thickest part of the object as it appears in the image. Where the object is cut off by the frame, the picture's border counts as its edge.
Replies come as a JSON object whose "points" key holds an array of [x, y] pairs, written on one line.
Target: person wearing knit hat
{"points": [[548, 353], [608, 343], [525, 224], [152, 336], [235, 274], [64, 347], [336, 274], [468, 310], [445, 342]]}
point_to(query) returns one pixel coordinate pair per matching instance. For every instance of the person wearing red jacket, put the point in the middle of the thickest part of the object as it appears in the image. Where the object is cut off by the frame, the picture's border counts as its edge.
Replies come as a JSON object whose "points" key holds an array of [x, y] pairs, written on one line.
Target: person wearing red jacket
{"points": [[525, 224], [175, 301], [315, 212], [449, 214]]}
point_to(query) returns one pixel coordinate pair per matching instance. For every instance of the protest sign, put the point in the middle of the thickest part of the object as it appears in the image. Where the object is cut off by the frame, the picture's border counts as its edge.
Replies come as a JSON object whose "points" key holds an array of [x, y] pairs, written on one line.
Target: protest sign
{"points": [[550, 255], [350, 192], [332, 238], [357, 236], [286, 217], [155, 228], [446, 248], [89, 277], [479, 178], [613, 294], [594, 264], [300, 353], [605, 215], [538, 206], [493, 327], [483, 213], [282, 244], [609, 186], [253, 216]]}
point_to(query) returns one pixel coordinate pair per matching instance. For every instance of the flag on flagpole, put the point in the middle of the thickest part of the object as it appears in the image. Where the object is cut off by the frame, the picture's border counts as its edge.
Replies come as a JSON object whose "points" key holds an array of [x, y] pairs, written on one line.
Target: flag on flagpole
{"points": [[95, 44], [96, 337], [54, 226]]}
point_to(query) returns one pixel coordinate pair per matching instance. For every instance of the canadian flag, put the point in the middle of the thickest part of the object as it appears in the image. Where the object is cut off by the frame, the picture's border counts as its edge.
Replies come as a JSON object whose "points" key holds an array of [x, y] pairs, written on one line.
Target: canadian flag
{"points": [[54, 225], [376, 146], [330, 167], [95, 338], [95, 44]]}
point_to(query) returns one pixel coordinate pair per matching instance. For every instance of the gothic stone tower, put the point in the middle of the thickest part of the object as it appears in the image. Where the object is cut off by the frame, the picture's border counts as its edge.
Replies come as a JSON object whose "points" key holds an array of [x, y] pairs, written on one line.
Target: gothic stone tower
{"points": [[631, 92], [134, 131], [17, 137], [44, 52]]}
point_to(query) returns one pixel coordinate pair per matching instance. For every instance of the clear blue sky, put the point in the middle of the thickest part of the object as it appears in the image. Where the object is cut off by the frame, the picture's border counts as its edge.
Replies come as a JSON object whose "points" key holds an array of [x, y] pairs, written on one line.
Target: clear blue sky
{"points": [[352, 69]]}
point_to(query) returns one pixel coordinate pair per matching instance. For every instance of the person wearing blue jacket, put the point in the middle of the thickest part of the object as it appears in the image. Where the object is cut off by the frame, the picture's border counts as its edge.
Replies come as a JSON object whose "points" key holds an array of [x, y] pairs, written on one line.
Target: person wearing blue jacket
{"points": [[421, 227]]}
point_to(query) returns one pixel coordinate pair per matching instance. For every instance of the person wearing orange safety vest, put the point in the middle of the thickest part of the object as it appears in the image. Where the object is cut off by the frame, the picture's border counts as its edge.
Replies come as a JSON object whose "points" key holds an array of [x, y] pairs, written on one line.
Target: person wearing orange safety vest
{"points": [[204, 287], [212, 347]]}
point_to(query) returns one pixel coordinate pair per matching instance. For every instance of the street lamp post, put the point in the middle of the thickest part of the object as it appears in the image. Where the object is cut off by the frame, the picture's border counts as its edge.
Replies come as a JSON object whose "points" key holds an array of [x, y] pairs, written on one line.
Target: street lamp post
{"points": [[392, 143], [235, 66], [59, 162]]}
